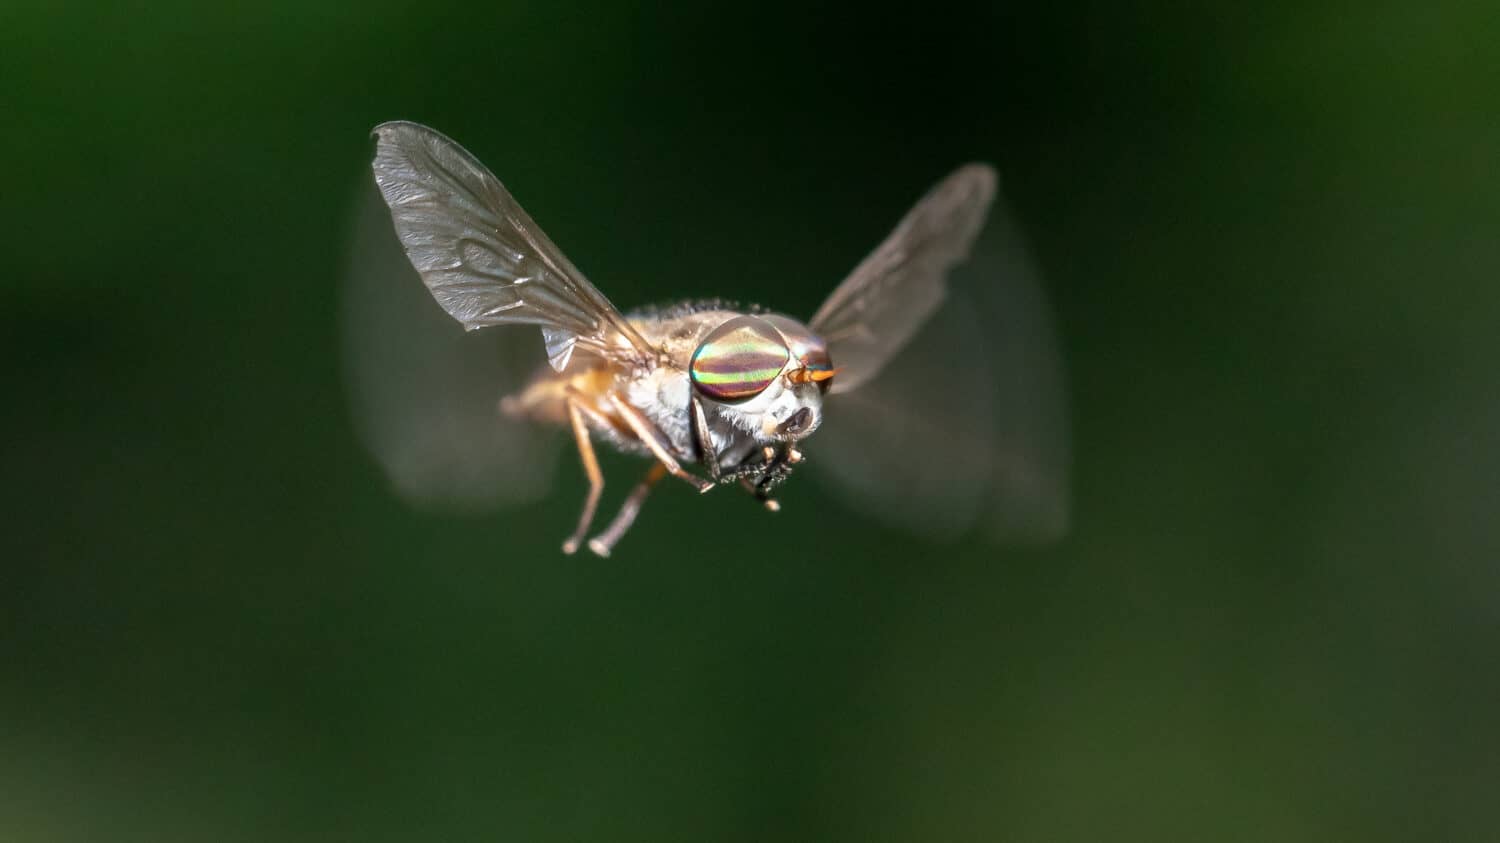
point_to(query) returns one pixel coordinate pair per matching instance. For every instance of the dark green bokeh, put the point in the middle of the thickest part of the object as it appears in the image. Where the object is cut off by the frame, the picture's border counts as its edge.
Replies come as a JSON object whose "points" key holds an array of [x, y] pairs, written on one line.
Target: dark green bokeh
{"points": [[1269, 237]]}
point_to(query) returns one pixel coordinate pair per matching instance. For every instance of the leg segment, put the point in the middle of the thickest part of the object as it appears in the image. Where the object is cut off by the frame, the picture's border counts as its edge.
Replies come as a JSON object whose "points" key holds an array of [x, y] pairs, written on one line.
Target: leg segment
{"points": [[603, 543], [590, 468], [705, 439], [651, 438], [760, 478]]}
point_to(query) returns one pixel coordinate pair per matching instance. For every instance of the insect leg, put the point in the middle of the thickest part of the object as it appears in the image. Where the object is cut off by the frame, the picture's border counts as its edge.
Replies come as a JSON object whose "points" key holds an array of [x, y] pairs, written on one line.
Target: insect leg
{"points": [[590, 468], [651, 438], [603, 543], [770, 503], [772, 473], [707, 455]]}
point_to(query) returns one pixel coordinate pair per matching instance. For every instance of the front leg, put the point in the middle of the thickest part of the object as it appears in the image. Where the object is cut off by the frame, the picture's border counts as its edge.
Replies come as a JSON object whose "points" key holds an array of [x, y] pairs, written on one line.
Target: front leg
{"points": [[652, 438], [761, 478], [707, 454]]}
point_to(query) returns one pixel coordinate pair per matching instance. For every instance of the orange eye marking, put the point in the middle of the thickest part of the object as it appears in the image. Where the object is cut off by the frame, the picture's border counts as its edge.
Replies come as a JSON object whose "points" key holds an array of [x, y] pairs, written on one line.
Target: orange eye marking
{"points": [[806, 375]]}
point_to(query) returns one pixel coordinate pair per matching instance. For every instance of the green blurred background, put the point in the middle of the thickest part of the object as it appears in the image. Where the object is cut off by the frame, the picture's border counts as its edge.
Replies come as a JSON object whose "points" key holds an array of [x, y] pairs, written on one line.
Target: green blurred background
{"points": [[1268, 236]]}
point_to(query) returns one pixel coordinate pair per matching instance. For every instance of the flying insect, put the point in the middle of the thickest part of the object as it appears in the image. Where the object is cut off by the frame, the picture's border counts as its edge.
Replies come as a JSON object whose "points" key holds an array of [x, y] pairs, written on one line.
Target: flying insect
{"points": [[712, 393]]}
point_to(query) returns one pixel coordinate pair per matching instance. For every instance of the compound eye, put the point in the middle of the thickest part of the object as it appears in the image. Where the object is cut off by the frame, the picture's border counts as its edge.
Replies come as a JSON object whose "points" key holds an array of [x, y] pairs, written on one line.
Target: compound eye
{"points": [[738, 360]]}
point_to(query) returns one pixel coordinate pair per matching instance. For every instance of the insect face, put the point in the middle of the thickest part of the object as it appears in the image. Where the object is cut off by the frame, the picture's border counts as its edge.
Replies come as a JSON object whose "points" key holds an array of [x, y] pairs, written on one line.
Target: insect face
{"points": [[763, 381], [797, 411]]}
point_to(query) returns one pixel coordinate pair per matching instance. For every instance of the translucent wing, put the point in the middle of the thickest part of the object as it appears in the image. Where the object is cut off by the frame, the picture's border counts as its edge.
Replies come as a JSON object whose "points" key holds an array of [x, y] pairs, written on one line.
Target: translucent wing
{"points": [[480, 254], [967, 427], [424, 394], [882, 304]]}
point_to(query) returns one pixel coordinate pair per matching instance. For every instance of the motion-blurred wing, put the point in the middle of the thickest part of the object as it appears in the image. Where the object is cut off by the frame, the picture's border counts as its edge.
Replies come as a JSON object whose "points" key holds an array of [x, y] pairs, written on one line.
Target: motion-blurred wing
{"points": [[967, 427], [481, 255], [424, 394], [882, 304]]}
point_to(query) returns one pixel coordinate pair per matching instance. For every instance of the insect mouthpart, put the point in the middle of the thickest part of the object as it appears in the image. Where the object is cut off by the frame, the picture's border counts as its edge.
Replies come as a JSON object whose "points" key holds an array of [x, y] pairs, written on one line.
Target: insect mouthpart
{"points": [[799, 422]]}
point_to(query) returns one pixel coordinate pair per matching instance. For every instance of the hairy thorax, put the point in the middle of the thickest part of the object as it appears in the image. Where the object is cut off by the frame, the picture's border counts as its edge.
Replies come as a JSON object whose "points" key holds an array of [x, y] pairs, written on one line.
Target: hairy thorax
{"points": [[661, 393]]}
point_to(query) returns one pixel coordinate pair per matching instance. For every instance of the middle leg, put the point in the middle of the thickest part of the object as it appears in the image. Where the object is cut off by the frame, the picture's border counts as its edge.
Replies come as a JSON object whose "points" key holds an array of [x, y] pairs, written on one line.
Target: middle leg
{"points": [[590, 462], [603, 543]]}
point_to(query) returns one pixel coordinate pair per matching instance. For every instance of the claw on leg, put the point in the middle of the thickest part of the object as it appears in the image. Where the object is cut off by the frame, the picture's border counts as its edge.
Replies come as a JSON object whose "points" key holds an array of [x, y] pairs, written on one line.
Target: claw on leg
{"points": [[770, 503]]}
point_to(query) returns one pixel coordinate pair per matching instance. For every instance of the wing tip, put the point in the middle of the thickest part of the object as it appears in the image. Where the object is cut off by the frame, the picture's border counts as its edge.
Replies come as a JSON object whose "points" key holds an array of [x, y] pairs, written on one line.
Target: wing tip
{"points": [[389, 127], [392, 135], [981, 174]]}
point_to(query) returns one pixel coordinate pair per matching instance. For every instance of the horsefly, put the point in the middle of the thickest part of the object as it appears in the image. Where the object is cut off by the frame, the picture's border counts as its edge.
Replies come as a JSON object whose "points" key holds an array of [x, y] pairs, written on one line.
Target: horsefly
{"points": [[715, 394]]}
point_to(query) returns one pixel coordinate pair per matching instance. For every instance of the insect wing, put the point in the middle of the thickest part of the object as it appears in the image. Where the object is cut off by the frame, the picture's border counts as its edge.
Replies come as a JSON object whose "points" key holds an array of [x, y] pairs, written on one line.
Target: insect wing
{"points": [[424, 394], [967, 427], [482, 257], [881, 305], [913, 447]]}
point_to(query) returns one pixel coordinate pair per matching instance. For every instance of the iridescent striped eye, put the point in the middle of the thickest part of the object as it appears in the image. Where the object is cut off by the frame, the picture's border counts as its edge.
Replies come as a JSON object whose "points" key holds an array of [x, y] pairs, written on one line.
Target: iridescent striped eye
{"points": [[738, 359]]}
